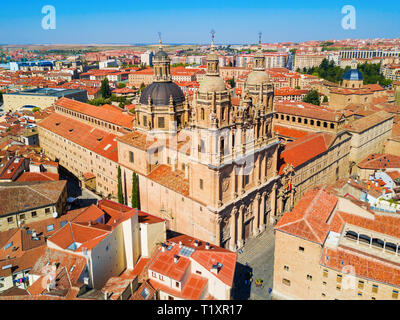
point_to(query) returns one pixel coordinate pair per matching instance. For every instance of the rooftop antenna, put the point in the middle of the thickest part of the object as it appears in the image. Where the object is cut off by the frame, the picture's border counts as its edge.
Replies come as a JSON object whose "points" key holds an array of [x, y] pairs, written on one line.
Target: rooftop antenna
{"points": [[212, 38]]}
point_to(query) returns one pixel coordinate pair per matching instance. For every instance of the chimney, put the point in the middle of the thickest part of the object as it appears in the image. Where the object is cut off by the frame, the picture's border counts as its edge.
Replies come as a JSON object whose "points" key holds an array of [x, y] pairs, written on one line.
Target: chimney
{"points": [[163, 247], [180, 244], [90, 223], [196, 243], [34, 233], [106, 295], [207, 246], [176, 258]]}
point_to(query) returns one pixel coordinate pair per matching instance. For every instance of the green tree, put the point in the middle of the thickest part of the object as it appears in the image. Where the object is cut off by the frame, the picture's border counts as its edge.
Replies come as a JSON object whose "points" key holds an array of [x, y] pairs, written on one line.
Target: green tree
{"points": [[325, 99], [142, 86], [135, 193], [121, 85], [105, 89], [312, 97], [35, 109], [232, 83], [120, 194]]}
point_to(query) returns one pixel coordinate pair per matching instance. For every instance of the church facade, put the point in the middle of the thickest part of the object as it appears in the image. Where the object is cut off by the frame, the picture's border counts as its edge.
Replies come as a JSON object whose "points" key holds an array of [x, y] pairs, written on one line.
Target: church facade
{"points": [[208, 168]]}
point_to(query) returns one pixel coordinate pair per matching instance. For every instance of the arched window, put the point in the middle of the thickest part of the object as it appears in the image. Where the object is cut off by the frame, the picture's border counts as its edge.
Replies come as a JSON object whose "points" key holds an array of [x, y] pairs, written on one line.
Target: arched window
{"points": [[378, 243], [332, 126], [365, 239], [351, 235], [390, 247], [325, 125], [318, 123]]}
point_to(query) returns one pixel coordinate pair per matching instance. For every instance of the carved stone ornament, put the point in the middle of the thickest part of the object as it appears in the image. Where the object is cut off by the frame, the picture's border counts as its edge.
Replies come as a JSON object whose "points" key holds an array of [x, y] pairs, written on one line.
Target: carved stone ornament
{"points": [[225, 184]]}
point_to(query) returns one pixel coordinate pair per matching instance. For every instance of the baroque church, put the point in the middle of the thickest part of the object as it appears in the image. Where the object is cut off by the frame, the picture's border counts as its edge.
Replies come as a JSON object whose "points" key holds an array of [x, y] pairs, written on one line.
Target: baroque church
{"points": [[209, 168]]}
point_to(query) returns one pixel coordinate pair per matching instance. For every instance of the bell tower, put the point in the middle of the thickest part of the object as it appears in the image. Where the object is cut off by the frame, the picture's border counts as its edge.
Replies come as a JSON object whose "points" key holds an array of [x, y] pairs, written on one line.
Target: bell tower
{"points": [[161, 63]]}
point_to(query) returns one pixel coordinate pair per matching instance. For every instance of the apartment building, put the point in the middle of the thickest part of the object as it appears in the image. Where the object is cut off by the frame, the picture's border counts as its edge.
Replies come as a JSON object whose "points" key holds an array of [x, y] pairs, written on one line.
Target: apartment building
{"points": [[369, 134], [186, 268], [81, 148], [314, 159], [26, 202], [329, 247]]}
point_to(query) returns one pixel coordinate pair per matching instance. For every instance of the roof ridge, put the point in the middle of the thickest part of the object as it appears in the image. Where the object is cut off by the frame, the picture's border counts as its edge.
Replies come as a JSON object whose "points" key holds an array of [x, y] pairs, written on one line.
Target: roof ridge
{"points": [[39, 193]]}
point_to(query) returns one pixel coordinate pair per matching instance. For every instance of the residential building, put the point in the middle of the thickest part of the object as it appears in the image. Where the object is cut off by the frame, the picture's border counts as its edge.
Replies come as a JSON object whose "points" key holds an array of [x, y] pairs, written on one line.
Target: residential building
{"points": [[329, 247], [42, 98], [186, 268], [26, 202]]}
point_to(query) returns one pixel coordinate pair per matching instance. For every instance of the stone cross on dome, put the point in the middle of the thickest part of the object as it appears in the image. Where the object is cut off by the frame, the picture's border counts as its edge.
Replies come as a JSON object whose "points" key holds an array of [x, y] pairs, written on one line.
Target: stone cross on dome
{"points": [[212, 38], [159, 39]]}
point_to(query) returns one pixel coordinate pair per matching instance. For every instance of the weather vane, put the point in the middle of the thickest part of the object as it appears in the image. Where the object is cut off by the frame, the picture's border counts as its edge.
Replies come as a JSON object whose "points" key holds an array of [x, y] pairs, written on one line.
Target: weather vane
{"points": [[259, 37]]}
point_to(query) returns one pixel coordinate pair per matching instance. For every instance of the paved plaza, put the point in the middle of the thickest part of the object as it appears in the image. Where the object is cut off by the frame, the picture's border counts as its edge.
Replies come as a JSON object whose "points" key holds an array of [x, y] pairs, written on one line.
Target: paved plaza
{"points": [[258, 253]]}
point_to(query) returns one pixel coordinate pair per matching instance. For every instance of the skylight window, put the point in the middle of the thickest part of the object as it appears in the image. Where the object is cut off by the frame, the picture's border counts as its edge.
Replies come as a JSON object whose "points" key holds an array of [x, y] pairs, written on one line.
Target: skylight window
{"points": [[50, 227], [186, 251], [63, 223], [8, 245], [107, 147], [74, 246], [145, 294]]}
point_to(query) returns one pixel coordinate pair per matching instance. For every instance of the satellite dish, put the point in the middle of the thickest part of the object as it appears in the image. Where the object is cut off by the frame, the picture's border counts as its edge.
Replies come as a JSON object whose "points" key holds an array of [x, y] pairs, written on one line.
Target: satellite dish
{"points": [[55, 214]]}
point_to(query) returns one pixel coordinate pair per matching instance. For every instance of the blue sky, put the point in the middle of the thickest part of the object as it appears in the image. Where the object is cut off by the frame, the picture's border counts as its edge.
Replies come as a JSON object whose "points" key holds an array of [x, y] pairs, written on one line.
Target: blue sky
{"points": [[122, 21]]}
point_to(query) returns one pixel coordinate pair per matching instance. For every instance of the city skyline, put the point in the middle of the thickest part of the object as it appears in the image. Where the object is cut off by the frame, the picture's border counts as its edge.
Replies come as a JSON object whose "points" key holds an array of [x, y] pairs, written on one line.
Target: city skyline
{"points": [[95, 23]]}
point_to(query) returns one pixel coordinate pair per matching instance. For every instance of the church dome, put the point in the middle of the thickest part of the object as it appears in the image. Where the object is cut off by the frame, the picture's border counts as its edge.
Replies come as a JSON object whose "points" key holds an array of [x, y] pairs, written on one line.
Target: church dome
{"points": [[160, 93], [257, 77], [353, 75], [212, 84], [161, 55]]}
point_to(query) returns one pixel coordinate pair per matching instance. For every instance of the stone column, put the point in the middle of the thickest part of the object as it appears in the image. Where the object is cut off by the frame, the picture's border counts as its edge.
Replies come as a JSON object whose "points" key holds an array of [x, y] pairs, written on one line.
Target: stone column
{"points": [[257, 213], [262, 212], [240, 227], [218, 221], [232, 242], [273, 205]]}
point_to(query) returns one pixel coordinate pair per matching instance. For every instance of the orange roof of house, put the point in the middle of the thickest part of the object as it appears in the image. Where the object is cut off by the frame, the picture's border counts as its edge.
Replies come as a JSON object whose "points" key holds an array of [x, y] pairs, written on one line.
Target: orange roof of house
{"points": [[383, 224], [99, 141], [111, 115], [174, 180], [309, 218], [380, 161], [71, 233], [191, 291], [38, 176], [362, 124], [300, 151], [307, 110], [290, 132], [364, 265]]}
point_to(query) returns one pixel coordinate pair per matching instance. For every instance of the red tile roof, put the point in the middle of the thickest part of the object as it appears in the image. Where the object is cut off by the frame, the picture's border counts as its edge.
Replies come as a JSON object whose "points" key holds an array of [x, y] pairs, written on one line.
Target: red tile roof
{"points": [[174, 180], [113, 116], [290, 132], [300, 151], [308, 110], [365, 266], [96, 140], [380, 161], [38, 176], [310, 218]]}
